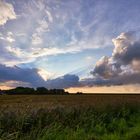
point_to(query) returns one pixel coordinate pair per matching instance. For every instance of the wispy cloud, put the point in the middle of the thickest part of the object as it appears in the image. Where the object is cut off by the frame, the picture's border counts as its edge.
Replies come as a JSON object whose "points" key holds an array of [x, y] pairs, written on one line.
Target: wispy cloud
{"points": [[72, 31]]}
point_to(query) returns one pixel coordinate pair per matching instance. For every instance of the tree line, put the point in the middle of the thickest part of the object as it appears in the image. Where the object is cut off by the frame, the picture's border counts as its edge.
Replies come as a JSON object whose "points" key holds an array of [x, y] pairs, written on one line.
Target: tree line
{"points": [[37, 91]]}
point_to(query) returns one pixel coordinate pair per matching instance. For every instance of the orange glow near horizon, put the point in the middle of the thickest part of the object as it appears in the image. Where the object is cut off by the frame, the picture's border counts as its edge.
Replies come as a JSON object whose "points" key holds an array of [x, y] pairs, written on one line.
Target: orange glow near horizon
{"points": [[106, 89], [95, 89], [5, 87]]}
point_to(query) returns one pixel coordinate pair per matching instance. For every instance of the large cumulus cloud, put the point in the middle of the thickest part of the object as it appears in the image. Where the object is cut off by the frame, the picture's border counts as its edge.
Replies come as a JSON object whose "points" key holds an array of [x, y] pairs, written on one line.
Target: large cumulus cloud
{"points": [[123, 67], [127, 47]]}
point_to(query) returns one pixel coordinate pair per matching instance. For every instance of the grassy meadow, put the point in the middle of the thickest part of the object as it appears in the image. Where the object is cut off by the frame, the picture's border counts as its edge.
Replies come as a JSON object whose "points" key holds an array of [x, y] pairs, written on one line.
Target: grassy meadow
{"points": [[70, 117]]}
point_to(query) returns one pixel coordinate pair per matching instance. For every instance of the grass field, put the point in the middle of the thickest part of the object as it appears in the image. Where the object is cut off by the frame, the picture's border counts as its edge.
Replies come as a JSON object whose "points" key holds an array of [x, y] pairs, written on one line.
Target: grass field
{"points": [[70, 117]]}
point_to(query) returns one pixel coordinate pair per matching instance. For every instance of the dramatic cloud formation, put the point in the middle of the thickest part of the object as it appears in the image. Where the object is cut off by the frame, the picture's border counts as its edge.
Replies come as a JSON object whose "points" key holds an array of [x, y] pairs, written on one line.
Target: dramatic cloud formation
{"points": [[123, 67], [17, 76], [127, 47], [30, 76], [7, 12], [65, 81], [49, 38], [47, 28]]}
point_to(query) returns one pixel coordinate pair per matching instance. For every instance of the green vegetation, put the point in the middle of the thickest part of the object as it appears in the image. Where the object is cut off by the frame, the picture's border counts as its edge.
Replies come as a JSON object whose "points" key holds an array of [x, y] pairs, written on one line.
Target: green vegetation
{"points": [[87, 122], [71, 124]]}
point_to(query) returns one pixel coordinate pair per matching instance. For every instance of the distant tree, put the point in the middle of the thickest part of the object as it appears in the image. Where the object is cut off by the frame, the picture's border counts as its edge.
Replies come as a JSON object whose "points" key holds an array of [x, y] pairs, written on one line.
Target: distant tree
{"points": [[39, 91], [58, 92], [42, 90], [79, 93], [0, 91], [21, 90]]}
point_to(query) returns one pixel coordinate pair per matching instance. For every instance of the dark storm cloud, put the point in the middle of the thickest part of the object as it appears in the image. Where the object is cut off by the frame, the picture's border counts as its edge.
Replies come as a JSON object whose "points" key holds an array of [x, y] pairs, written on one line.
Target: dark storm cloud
{"points": [[65, 81], [18, 74], [32, 77]]}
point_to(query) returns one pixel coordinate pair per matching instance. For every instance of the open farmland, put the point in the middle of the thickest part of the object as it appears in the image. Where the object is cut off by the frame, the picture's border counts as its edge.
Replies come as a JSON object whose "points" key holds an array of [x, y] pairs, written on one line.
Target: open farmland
{"points": [[20, 102], [70, 117]]}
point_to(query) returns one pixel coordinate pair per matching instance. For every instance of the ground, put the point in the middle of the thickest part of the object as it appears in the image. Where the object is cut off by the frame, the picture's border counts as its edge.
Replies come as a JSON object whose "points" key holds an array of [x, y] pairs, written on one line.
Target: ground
{"points": [[70, 117], [53, 101]]}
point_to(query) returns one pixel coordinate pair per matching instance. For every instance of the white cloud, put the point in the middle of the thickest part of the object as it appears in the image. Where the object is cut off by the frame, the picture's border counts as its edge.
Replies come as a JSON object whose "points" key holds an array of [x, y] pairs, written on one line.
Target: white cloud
{"points": [[1, 36], [15, 51], [50, 18], [43, 26], [36, 40], [45, 74], [8, 38], [7, 12]]}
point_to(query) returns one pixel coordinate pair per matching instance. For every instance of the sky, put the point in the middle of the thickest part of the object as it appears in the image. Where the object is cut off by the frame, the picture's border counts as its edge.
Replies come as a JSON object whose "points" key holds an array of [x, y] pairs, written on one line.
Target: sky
{"points": [[79, 45]]}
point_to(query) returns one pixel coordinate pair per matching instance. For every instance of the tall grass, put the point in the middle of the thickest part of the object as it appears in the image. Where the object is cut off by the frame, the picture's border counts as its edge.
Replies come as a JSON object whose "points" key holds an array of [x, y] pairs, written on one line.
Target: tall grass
{"points": [[121, 123]]}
